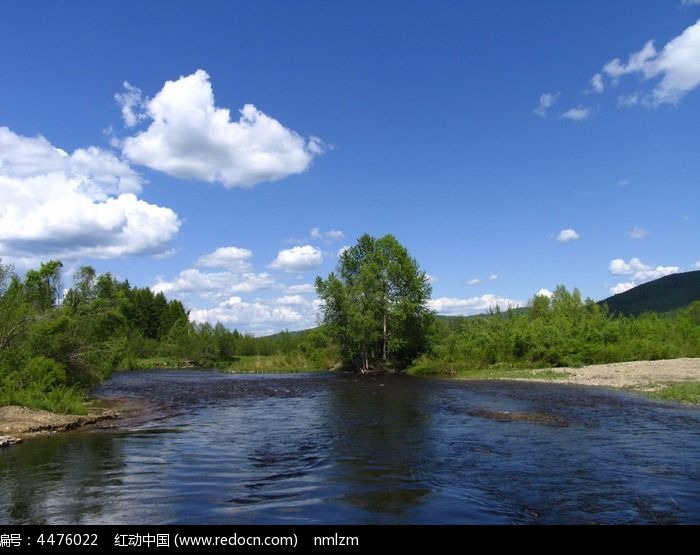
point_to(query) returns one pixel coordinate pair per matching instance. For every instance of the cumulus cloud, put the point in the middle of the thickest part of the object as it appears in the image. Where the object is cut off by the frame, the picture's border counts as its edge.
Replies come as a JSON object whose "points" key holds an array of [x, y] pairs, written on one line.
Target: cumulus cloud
{"points": [[472, 305], [547, 100], [233, 259], [189, 137], [677, 66], [474, 281], [53, 203], [330, 236], [637, 271], [214, 284], [493, 277], [291, 300], [622, 287], [637, 233], [579, 113], [249, 301], [260, 316], [297, 259], [567, 235], [251, 315], [544, 292], [131, 103], [300, 288]]}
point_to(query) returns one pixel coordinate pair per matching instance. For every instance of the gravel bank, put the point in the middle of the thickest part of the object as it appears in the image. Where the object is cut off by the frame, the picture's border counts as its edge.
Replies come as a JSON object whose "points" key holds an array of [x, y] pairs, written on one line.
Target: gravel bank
{"points": [[644, 374]]}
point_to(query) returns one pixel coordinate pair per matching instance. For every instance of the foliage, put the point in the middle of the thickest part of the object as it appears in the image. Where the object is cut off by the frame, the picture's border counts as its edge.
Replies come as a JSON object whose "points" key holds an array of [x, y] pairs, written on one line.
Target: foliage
{"points": [[53, 346], [375, 306], [562, 331]]}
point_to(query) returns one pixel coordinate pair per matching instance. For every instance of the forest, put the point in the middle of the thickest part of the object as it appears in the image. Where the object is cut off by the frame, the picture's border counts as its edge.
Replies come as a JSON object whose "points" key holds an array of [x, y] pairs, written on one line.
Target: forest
{"points": [[55, 345]]}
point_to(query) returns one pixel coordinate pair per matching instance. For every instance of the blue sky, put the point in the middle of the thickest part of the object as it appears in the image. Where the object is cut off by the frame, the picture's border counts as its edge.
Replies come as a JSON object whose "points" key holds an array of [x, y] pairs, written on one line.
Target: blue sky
{"points": [[224, 152]]}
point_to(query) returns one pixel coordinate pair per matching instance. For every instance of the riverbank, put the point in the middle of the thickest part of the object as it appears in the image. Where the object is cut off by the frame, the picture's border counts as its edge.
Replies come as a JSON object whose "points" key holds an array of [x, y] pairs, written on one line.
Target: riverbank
{"points": [[673, 379], [19, 423], [642, 375]]}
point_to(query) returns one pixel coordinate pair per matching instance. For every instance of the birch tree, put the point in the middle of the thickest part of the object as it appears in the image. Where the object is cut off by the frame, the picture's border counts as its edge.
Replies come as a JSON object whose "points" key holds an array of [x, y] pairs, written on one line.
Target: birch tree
{"points": [[375, 304]]}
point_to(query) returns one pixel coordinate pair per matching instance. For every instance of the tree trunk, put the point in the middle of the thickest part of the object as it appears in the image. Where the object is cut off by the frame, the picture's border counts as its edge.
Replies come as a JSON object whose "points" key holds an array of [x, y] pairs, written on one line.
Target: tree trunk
{"points": [[384, 347]]}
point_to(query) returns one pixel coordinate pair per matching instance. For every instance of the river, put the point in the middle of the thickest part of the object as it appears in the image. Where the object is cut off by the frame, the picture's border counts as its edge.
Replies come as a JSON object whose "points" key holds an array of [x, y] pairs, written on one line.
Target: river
{"points": [[330, 448]]}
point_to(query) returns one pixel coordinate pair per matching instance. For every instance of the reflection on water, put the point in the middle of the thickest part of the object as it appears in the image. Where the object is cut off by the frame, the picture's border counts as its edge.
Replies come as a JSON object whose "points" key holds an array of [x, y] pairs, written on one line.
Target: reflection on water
{"points": [[330, 448], [380, 441]]}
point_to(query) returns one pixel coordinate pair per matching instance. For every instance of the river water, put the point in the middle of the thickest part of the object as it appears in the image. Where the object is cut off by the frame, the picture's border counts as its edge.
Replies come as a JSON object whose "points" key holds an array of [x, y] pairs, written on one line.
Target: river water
{"points": [[330, 448]]}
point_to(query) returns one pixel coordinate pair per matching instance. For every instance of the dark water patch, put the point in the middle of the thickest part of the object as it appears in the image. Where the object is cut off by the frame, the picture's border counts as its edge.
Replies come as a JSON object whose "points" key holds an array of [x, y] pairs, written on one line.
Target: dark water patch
{"points": [[326, 448]]}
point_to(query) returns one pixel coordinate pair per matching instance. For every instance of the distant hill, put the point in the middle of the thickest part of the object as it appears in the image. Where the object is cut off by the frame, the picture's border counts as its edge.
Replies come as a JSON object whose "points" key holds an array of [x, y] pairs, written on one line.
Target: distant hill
{"points": [[661, 295]]}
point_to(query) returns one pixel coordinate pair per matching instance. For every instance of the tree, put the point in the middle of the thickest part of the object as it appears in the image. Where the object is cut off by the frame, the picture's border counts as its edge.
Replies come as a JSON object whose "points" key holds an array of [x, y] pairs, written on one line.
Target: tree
{"points": [[375, 305], [43, 287]]}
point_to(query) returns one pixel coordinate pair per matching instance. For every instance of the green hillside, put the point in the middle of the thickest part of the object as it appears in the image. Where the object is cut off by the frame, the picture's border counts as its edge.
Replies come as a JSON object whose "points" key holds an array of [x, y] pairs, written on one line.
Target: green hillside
{"points": [[661, 295]]}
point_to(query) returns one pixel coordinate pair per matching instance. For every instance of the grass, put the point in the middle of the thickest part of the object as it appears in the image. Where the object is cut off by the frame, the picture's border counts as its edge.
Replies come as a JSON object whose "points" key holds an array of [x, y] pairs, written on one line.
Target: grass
{"points": [[61, 400], [149, 363], [686, 392], [263, 364], [463, 372]]}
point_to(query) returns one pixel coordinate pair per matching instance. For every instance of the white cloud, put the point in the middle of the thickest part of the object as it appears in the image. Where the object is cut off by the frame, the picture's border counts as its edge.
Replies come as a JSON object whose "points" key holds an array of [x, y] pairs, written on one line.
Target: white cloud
{"points": [[637, 61], [567, 235], [53, 203], [677, 65], [131, 104], [493, 277], [233, 259], [291, 300], [690, 2], [474, 281], [579, 113], [330, 236], [297, 259], [214, 284], [637, 233], [597, 83], [697, 264], [622, 287], [472, 305], [629, 100], [544, 292], [189, 137], [341, 250], [300, 288], [235, 311], [547, 100], [260, 316], [638, 272]]}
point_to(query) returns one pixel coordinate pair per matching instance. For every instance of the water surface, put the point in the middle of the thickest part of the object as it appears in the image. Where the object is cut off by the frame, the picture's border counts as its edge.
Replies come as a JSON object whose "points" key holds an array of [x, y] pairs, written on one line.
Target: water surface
{"points": [[328, 448]]}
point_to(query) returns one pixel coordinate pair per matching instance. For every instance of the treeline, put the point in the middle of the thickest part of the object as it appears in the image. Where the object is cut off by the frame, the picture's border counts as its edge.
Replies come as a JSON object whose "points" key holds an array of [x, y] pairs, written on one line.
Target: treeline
{"points": [[54, 345], [563, 330]]}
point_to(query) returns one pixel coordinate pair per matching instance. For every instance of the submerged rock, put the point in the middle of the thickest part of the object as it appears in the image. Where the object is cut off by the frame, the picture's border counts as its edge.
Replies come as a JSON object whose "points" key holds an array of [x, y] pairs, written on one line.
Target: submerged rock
{"points": [[532, 417]]}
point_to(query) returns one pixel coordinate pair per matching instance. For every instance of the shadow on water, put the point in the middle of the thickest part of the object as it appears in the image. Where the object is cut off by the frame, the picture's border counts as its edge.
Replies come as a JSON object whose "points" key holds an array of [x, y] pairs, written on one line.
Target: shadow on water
{"points": [[326, 448]]}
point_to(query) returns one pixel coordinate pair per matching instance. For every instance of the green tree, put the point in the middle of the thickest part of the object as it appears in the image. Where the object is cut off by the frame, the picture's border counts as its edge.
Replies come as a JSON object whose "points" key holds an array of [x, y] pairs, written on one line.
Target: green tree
{"points": [[375, 304], [43, 287]]}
